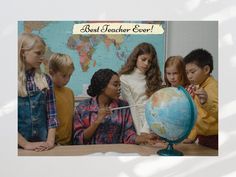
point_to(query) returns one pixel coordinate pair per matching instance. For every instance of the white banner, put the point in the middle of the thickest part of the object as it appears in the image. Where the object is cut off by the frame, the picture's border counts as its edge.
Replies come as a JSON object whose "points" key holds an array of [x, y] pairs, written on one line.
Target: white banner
{"points": [[117, 28]]}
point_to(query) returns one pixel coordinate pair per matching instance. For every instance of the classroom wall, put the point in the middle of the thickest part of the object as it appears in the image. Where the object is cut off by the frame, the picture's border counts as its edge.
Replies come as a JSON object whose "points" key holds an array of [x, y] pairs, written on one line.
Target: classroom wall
{"points": [[184, 36]]}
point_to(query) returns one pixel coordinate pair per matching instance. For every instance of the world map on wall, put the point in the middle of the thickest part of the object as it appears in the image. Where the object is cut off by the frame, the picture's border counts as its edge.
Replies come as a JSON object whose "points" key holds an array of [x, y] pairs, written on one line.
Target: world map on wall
{"points": [[90, 52]]}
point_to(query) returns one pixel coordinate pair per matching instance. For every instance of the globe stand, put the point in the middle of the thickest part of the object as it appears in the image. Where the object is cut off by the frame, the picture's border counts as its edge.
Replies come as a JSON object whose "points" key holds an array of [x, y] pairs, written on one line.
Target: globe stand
{"points": [[169, 151]]}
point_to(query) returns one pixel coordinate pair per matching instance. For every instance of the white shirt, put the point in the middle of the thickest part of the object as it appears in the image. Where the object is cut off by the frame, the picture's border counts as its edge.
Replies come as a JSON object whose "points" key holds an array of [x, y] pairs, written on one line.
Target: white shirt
{"points": [[133, 87]]}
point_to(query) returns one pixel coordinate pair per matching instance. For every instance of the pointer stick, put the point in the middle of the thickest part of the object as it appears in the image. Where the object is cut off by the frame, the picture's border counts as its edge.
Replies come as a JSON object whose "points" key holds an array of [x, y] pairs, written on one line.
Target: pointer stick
{"points": [[124, 107]]}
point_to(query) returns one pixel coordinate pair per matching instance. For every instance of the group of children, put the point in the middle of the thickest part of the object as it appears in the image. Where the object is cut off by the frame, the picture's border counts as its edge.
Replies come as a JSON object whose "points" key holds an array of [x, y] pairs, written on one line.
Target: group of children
{"points": [[46, 114], [45, 106]]}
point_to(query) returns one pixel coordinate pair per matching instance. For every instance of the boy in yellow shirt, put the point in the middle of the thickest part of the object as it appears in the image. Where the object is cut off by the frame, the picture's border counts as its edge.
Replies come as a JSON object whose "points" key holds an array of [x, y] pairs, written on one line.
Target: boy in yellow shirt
{"points": [[199, 65], [61, 68]]}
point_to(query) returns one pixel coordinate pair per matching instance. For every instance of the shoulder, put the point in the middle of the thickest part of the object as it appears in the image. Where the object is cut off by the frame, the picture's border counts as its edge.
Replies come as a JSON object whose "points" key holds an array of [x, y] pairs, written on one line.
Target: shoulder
{"points": [[213, 80], [125, 78], [69, 90], [211, 83], [212, 91], [48, 79], [84, 104]]}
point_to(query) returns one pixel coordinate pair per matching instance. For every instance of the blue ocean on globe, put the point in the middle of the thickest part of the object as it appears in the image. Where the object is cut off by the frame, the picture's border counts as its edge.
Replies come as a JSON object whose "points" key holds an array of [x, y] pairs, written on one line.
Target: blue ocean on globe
{"points": [[171, 113]]}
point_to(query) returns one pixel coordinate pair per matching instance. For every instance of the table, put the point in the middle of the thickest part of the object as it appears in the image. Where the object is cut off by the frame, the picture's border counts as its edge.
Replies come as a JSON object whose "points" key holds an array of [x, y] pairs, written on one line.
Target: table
{"points": [[143, 150]]}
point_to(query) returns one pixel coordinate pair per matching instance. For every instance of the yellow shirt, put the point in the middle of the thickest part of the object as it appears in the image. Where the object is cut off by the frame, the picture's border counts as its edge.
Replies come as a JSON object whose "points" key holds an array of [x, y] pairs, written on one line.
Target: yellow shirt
{"points": [[65, 112], [207, 120]]}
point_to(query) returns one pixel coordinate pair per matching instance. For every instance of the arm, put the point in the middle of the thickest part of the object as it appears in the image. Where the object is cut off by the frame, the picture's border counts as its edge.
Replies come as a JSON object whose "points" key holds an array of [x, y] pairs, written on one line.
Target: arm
{"points": [[145, 128], [207, 120], [78, 127], [202, 95], [130, 135], [102, 113], [191, 137], [211, 104], [52, 115], [51, 138], [22, 142], [88, 132], [126, 95], [83, 128], [51, 106]]}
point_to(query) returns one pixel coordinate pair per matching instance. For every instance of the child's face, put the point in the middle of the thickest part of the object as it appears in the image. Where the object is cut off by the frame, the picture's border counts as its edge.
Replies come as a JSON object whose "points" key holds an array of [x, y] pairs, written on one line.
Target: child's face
{"points": [[144, 62], [60, 79], [35, 56], [112, 90], [173, 76], [195, 74]]}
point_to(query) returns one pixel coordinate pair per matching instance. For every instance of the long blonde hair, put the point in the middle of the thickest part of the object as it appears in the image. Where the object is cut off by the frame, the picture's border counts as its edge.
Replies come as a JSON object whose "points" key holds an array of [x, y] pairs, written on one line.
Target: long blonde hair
{"points": [[26, 42]]}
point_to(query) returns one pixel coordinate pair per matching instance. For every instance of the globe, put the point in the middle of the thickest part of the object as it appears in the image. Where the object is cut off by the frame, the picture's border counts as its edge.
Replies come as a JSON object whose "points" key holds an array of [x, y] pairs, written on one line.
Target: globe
{"points": [[171, 114]]}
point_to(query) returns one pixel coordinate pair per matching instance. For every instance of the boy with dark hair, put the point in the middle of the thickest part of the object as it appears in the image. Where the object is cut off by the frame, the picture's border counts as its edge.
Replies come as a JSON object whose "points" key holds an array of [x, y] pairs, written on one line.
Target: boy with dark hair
{"points": [[199, 65]]}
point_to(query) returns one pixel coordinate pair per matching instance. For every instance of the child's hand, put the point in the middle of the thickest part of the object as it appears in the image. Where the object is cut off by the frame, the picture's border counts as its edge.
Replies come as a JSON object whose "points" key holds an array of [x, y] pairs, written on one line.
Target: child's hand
{"points": [[155, 140], [188, 141], [140, 139], [202, 95], [148, 138], [34, 146], [49, 144], [190, 90], [46, 146]]}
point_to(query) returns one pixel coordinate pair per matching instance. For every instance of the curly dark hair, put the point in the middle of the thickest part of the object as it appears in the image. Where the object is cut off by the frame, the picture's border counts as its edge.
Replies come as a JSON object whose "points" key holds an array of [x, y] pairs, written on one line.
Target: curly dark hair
{"points": [[99, 81], [153, 75], [200, 57]]}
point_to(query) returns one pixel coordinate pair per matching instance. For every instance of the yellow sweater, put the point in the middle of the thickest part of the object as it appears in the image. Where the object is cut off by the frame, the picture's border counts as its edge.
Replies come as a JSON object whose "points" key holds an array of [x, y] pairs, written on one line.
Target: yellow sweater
{"points": [[65, 113], [207, 120]]}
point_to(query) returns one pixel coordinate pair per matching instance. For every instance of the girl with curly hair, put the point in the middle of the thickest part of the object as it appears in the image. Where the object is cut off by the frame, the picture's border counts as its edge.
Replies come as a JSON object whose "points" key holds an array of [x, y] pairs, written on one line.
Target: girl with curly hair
{"points": [[140, 78]]}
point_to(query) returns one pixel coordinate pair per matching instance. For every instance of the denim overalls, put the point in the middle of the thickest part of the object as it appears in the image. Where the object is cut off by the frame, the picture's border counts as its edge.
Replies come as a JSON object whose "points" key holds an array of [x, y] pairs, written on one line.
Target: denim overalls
{"points": [[32, 117]]}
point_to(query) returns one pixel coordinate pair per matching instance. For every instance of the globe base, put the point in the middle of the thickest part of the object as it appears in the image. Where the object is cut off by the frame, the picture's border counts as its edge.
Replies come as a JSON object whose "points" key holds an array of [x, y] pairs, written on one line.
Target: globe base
{"points": [[169, 151]]}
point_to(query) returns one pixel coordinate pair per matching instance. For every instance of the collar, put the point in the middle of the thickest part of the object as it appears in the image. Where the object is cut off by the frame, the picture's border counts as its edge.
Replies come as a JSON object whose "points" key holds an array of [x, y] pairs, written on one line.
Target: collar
{"points": [[30, 72], [136, 70], [206, 82], [95, 107]]}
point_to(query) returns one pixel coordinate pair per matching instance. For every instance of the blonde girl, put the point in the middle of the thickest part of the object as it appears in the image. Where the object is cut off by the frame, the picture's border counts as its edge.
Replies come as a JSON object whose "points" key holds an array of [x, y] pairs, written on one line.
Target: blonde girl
{"points": [[36, 101]]}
